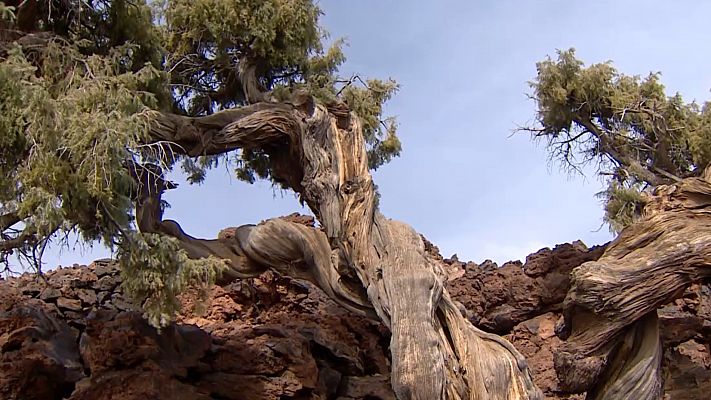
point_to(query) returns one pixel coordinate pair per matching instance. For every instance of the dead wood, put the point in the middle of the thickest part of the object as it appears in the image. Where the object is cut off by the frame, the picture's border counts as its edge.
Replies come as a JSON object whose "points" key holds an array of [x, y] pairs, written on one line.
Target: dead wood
{"points": [[364, 261], [614, 350]]}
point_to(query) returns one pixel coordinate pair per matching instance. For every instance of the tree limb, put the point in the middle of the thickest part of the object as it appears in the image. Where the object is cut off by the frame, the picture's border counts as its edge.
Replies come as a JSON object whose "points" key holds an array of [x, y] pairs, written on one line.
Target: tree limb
{"points": [[292, 249], [247, 72], [247, 127], [361, 259], [622, 159], [18, 241], [612, 301], [9, 219]]}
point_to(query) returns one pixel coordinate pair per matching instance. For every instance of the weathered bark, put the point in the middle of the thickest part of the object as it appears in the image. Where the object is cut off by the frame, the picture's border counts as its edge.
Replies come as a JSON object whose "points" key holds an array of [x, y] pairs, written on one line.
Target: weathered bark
{"points": [[610, 310], [366, 262]]}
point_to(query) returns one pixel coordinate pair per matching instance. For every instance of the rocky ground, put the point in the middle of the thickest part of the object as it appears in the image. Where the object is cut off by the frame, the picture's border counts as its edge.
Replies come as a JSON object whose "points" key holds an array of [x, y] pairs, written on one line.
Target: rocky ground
{"points": [[72, 334]]}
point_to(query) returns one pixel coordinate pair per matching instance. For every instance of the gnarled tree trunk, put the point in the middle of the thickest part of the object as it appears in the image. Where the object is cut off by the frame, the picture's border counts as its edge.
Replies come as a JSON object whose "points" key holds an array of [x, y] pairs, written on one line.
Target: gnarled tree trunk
{"points": [[614, 350], [366, 262]]}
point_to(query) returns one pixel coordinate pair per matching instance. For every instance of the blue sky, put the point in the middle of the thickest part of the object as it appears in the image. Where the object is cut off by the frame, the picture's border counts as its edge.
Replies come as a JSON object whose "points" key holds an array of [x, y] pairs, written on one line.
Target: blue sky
{"points": [[463, 180]]}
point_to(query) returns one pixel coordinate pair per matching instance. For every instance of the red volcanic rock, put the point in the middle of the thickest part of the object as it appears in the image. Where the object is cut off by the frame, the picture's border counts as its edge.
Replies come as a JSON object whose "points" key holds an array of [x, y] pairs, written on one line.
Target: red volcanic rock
{"points": [[523, 302], [498, 298], [74, 335]]}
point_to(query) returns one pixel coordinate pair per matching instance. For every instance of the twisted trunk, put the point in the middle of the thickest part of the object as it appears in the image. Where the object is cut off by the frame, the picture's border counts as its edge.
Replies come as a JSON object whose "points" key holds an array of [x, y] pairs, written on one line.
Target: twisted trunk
{"points": [[364, 261], [610, 312]]}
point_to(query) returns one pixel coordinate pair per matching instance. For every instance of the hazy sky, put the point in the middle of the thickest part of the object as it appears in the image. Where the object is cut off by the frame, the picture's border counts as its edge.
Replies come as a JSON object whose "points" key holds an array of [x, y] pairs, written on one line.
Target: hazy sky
{"points": [[463, 180]]}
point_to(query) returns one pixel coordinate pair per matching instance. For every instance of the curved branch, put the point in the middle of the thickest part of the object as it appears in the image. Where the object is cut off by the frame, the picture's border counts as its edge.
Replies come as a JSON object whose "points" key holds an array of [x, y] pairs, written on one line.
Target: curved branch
{"points": [[612, 302], [8, 220], [622, 159], [22, 239], [247, 127], [302, 252], [149, 219], [253, 91], [292, 249], [362, 260]]}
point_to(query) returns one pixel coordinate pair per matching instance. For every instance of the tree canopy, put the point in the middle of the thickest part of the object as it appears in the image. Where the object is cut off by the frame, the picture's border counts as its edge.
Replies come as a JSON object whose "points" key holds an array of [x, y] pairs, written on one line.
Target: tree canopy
{"points": [[103, 98], [81, 82], [636, 134]]}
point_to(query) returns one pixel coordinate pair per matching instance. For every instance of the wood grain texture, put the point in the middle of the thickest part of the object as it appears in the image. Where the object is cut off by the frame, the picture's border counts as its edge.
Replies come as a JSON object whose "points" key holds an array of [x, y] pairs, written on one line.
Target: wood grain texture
{"points": [[366, 262], [610, 310]]}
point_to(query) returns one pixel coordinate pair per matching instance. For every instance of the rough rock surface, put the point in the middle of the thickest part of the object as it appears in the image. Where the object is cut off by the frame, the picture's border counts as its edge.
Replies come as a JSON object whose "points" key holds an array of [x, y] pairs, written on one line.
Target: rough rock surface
{"points": [[498, 298], [72, 334]]}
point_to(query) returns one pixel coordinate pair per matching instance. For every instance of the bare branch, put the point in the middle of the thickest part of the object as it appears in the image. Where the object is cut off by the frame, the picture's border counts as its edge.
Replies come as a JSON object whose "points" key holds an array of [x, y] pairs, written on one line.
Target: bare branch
{"points": [[607, 147], [362, 260], [614, 300], [225, 131], [9, 219]]}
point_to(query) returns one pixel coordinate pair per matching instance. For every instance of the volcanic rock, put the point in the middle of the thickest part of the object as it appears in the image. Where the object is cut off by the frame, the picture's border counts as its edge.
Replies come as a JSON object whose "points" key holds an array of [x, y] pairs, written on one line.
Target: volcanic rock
{"points": [[73, 334]]}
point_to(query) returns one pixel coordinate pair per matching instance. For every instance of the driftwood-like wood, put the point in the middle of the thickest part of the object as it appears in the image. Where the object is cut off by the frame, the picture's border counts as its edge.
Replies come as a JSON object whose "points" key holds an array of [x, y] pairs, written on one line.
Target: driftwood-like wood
{"points": [[613, 350], [367, 263]]}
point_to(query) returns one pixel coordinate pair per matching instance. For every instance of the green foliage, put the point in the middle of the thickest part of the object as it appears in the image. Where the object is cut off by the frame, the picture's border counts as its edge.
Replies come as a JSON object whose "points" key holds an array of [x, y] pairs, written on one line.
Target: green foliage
{"points": [[380, 136], [80, 82], [155, 270], [65, 138], [207, 41], [623, 206], [699, 138], [635, 133], [252, 164], [7, 13]]}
